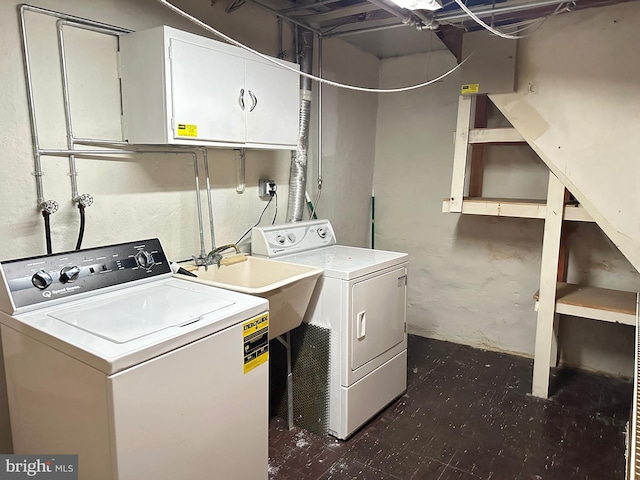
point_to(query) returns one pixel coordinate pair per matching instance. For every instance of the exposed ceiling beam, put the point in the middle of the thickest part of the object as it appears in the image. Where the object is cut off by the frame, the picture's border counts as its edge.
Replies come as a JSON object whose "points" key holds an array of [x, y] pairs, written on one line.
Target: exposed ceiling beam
{"points": [[307, 6], [364, 27], [503, 8], [339, 13], [286, 17]]}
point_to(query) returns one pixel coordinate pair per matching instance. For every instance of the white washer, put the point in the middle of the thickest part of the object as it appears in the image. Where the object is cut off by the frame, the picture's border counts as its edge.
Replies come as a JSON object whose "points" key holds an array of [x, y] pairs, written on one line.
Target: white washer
{"points": [[362, 298], [141, 374]]}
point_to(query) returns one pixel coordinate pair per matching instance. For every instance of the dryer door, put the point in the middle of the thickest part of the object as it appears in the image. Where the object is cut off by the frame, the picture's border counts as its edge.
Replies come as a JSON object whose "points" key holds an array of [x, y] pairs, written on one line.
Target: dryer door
{"points": [[378, 312]]}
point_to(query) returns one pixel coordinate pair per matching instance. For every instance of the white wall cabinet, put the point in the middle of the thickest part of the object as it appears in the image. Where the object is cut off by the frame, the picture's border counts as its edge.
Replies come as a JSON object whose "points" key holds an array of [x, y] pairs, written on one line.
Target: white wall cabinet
{"points": [[182, 89]]}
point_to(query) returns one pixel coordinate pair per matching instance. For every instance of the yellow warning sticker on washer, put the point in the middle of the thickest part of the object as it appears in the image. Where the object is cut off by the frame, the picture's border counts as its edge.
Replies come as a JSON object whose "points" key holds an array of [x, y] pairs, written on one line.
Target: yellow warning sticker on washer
{"points": [[255, 339], [187, 130], [470, 88]]}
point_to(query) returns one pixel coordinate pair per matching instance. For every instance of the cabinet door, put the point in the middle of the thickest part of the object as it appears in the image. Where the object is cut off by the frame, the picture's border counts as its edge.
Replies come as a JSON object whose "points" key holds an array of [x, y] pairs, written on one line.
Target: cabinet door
{"points": [[378, 312], [273, 104], [206, 90]]}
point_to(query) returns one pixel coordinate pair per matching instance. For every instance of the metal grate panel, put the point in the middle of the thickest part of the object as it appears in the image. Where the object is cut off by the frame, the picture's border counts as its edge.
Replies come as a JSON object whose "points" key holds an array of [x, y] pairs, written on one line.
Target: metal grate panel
{"points": [[310, 358]]}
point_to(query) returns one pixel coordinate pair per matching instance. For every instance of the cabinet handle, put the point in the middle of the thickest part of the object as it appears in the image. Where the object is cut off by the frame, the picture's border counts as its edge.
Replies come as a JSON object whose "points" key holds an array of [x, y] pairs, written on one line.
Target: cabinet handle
{"points": [[361, 324], [254, 99], [241, 99]]}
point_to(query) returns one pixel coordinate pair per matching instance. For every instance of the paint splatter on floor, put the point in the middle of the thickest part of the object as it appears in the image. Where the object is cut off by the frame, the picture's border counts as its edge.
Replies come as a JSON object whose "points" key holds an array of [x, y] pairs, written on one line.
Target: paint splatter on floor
{"points": [[468, 415]]}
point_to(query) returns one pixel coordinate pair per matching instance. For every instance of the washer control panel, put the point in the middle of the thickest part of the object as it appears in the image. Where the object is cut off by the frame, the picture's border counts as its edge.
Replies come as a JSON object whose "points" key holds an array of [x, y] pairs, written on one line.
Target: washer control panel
{"points": [[38, 280], [289, 238]]}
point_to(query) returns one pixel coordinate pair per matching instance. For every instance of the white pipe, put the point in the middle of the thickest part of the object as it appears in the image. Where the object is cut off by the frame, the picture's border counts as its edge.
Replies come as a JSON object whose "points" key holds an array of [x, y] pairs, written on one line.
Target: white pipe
{"points": [[319, 115], [203, 252], [59, 152], [209, 200], [73, 172], [73, 18], [32, 111], [37, 151]]}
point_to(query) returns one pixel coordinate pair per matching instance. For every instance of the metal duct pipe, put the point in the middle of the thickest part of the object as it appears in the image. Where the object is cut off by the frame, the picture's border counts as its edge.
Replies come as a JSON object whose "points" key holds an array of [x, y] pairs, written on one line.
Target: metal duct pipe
{"points": [[298, 172]]}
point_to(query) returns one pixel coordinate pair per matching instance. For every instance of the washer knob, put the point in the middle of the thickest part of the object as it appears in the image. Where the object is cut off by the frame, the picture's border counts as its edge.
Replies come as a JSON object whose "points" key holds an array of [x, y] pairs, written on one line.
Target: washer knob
{"points": [[280, 239], [69, 274], [144, 259], [41, 279], [322, 232]]}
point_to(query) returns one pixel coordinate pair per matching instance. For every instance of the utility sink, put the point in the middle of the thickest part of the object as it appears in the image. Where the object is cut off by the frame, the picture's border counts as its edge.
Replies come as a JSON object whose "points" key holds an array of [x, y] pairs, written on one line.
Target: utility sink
{"points": [[287, 286]]}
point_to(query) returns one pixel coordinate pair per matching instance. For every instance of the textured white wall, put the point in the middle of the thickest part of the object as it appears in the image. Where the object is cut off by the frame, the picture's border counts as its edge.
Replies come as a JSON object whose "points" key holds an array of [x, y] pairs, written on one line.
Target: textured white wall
{"points": [[348, 136], [472, 278]]}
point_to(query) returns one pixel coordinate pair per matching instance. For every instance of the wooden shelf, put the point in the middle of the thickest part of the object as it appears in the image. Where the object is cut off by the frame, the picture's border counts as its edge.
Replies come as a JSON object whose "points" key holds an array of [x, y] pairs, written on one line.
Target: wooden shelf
{"points": [[510, 207], [615, 306], [495, 135]]}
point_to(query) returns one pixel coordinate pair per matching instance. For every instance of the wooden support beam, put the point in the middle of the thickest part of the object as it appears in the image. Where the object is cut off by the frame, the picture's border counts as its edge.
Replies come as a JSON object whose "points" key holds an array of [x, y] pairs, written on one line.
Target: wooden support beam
{"points": [[495, 135], [545, 337], [476, 167], [563, 258], [514, 207]]}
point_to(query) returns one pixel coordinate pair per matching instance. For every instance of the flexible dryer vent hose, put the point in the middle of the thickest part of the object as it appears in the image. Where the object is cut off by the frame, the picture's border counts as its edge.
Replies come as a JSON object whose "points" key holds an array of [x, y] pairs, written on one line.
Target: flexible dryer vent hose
{"points": [[298, 171]]}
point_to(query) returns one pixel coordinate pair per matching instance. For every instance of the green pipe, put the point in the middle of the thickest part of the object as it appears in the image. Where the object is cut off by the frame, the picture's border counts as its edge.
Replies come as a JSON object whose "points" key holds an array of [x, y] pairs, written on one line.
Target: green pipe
{"points": [[373, 219]]}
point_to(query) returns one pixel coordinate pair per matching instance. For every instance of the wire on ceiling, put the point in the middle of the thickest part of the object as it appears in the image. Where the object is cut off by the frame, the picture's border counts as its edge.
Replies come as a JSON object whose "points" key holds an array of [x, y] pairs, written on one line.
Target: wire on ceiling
{"points": [[232, 41], [514, 35]]}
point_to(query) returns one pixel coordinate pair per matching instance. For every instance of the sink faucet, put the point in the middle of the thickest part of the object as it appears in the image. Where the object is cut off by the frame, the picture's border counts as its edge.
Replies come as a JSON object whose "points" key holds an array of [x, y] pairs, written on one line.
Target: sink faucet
{"points": [[215, 256]]}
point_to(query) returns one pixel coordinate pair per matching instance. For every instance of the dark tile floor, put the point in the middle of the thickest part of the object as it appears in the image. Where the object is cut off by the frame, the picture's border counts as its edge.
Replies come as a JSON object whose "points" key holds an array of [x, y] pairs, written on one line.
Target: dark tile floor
{"points": [[467, 415]]}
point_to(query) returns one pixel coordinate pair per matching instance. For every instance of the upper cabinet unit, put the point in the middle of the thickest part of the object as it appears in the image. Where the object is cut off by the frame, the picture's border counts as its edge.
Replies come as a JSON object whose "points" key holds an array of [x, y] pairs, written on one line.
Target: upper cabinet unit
{"points": [[182, 89]]}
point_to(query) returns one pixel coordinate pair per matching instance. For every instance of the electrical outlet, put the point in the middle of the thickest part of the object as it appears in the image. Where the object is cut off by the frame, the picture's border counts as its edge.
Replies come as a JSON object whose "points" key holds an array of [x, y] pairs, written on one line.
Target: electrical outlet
{"points": [[267, 188]]}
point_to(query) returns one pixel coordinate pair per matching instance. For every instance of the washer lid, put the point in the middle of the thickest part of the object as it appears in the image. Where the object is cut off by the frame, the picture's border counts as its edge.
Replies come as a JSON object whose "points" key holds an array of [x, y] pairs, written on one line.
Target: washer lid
{"points": [[136, 314], [339, 261]]}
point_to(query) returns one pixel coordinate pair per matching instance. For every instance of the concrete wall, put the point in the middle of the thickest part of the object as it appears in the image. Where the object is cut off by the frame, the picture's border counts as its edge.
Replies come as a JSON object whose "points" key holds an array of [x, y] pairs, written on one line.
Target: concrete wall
{"points": [[472, 278], [348, 142]]}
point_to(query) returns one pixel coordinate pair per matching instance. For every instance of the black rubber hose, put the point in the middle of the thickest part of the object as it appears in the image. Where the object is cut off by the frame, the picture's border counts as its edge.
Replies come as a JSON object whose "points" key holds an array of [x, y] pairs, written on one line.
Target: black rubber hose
{"points": [[47, 231], [81, 232]]}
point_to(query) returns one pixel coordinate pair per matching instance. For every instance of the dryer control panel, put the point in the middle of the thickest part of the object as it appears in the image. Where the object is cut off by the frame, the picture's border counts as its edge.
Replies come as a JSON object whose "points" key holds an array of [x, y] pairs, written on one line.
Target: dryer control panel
{"points": [[35, 281], [277, 240]]}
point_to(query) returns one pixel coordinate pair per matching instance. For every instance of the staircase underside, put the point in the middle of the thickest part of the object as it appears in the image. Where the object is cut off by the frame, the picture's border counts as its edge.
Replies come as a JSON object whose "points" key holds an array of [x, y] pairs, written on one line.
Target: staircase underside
{"points": [[578, 107]]}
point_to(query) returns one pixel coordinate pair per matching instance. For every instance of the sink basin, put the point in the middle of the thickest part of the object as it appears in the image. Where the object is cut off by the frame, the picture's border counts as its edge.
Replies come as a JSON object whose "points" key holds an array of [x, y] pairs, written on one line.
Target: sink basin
{"points": [[287, 286]]}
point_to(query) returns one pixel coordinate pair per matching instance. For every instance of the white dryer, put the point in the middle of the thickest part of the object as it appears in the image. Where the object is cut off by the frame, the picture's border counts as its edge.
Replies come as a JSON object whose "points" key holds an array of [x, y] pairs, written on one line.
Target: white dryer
{"points": [[140, 374], [362, 298]]}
